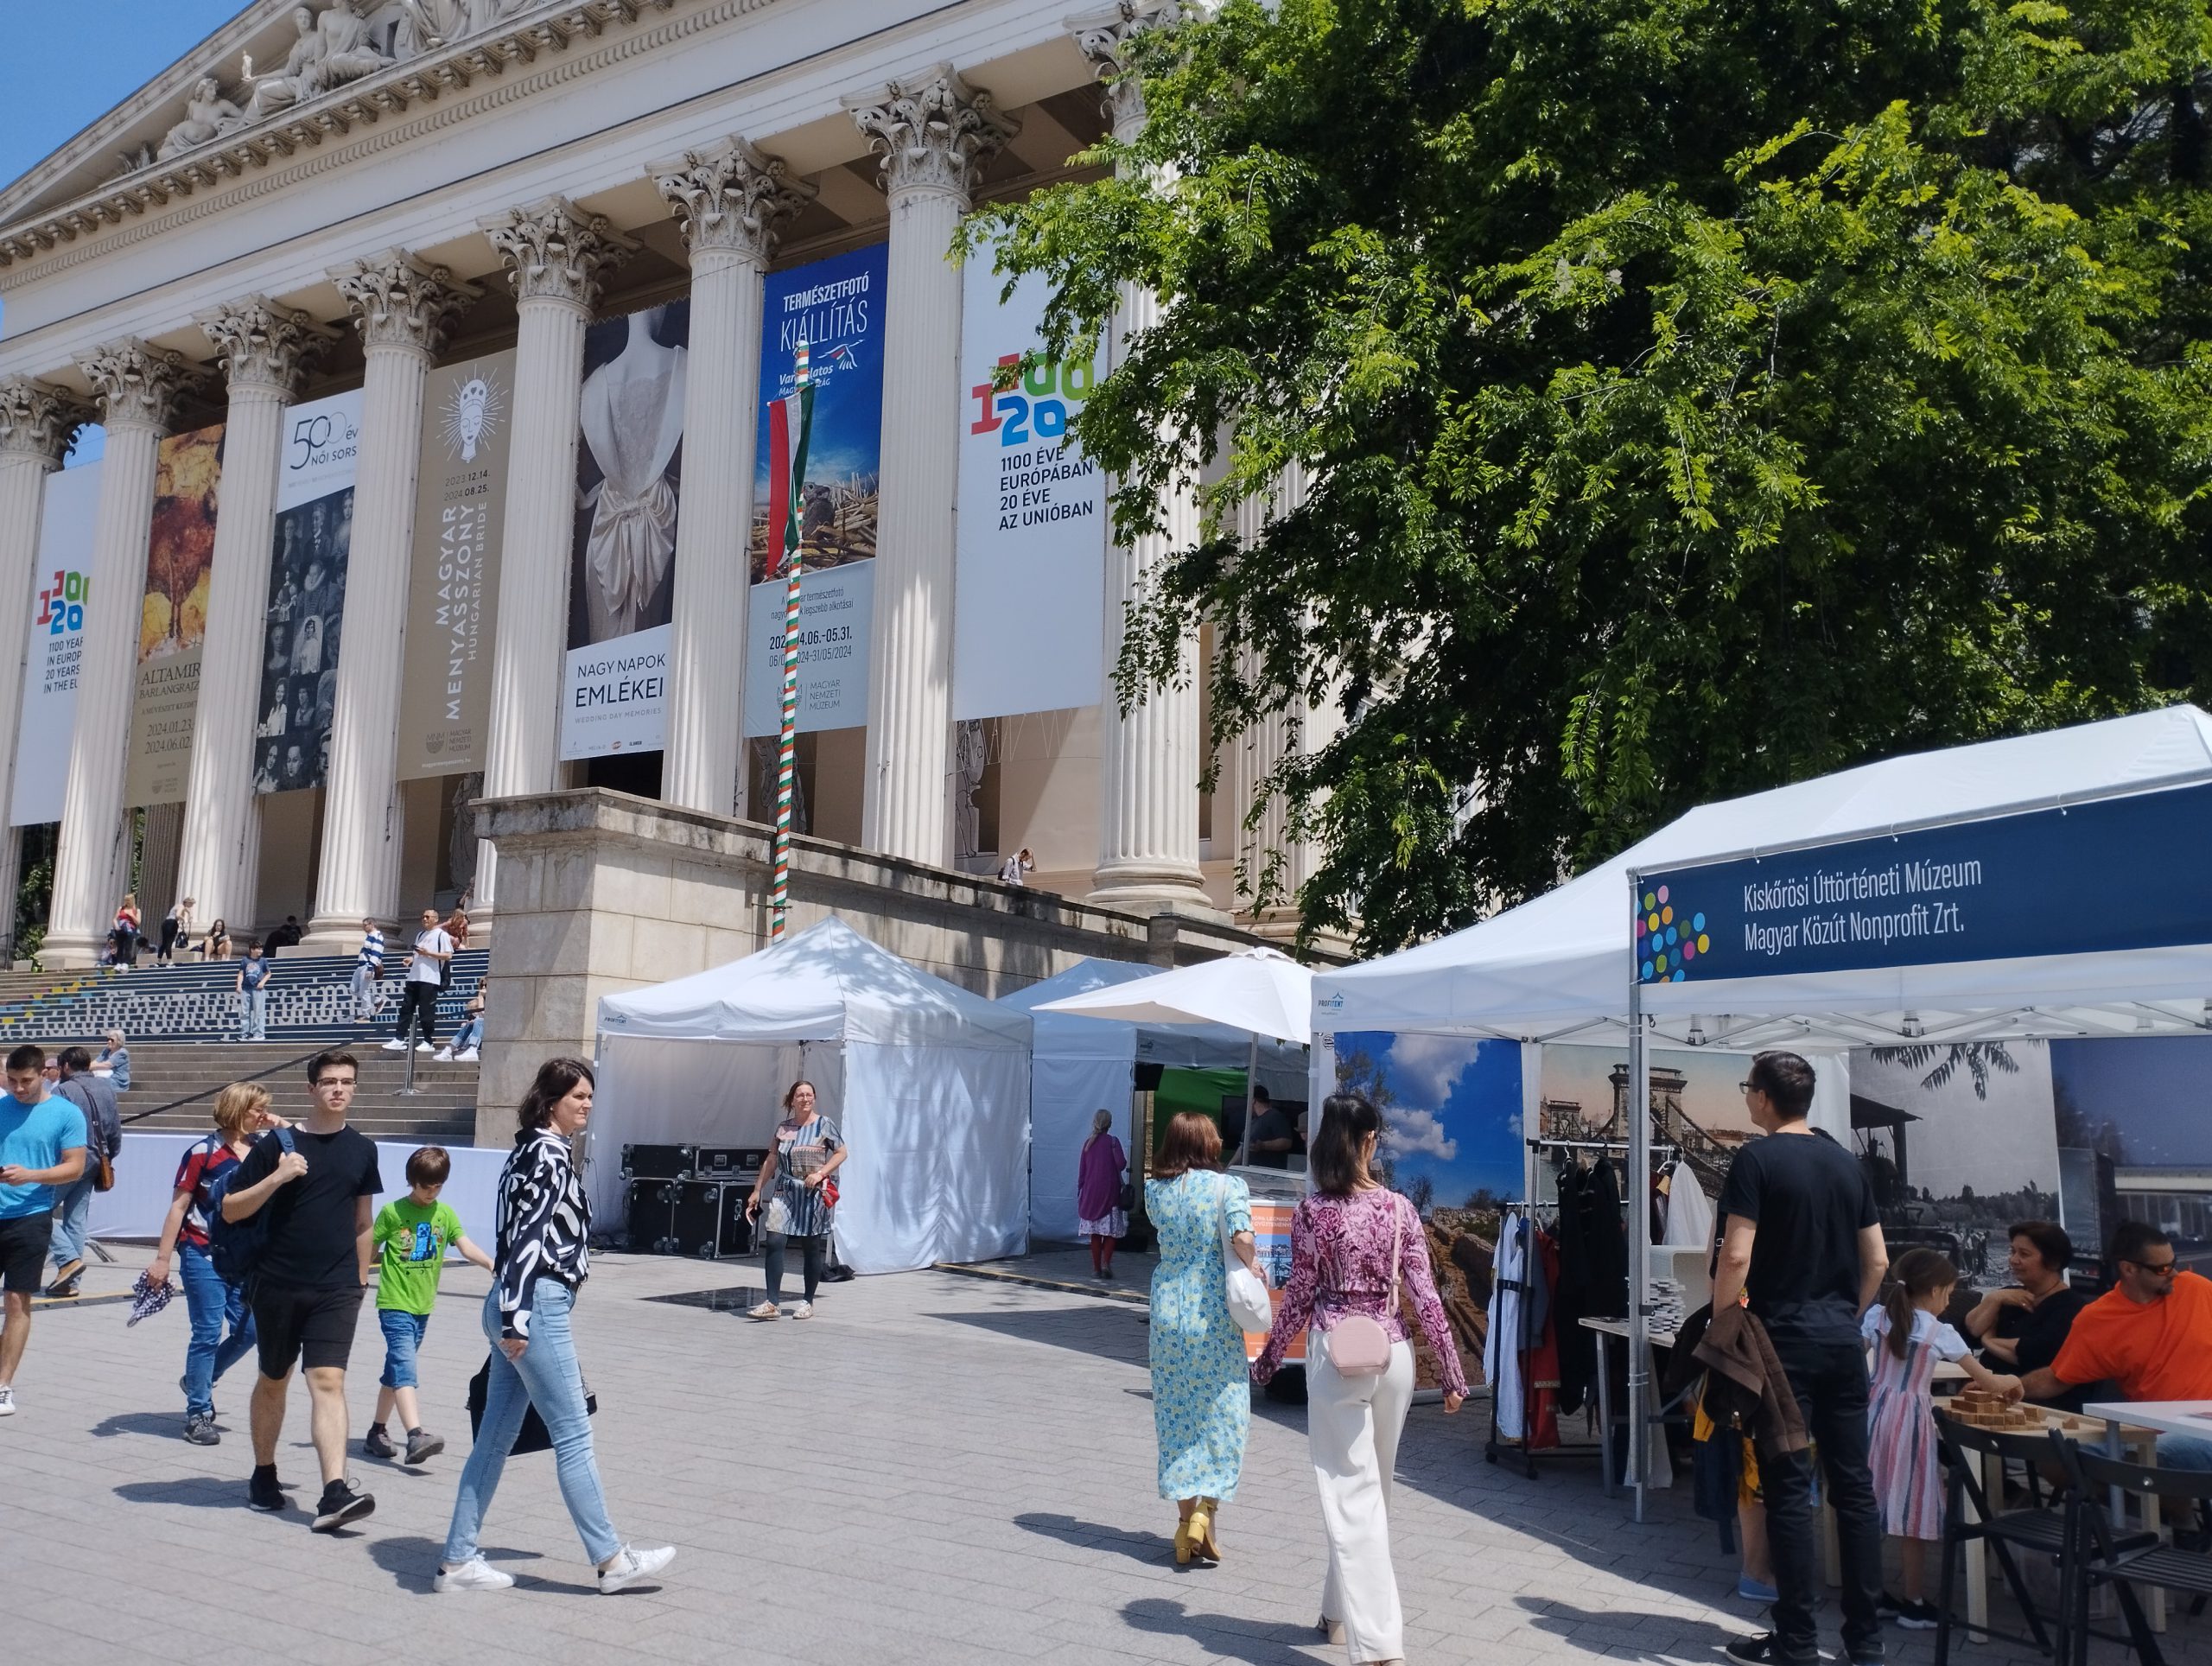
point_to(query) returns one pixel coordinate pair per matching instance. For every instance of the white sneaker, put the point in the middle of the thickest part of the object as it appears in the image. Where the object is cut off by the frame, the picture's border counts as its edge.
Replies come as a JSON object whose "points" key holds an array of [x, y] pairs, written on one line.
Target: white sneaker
{"points": [[422, 1046], [631, 1565], [805, 1310], [443, 1055], [466, 1056], [474, 1574], [7, 1402], [395, 1046]]}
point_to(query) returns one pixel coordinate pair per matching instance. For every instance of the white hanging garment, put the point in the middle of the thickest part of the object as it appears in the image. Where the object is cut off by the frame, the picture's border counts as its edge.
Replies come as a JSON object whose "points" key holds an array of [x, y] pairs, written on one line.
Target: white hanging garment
{"points": [[1502, 1341]]}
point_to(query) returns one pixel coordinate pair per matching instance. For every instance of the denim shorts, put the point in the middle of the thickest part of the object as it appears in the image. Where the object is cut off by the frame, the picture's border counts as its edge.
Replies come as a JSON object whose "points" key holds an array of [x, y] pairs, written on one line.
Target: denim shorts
{"points": [[402, 1335]]}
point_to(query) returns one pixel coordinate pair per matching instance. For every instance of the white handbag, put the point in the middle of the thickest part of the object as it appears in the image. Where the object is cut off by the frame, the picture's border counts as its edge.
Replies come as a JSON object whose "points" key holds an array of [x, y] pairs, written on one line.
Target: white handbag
{"points": [[1249, 1303]]}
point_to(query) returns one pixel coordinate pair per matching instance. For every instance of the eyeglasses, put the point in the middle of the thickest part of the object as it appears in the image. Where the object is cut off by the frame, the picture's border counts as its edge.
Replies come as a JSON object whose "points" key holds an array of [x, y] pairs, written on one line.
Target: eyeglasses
{"points": [[2155, 1268]]}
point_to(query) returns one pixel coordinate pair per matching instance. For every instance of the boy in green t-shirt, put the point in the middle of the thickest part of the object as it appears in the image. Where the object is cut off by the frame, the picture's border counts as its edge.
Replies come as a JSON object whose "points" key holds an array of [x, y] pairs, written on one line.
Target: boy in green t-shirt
{"points": [[411, 1236]]}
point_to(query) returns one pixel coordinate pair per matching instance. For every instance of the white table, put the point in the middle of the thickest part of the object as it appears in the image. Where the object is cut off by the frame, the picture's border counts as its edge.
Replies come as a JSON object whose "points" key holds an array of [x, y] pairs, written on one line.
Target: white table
{"points": [[1608, 1330]]}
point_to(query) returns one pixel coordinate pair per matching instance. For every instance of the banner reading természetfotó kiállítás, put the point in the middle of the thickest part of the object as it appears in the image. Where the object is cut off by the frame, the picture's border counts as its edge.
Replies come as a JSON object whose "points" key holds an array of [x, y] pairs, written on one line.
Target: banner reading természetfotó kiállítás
{"points": [[306, 593], [1029, 595], [460, 505], [622, 572], [47, 720], [173, 617], [836, 307]]}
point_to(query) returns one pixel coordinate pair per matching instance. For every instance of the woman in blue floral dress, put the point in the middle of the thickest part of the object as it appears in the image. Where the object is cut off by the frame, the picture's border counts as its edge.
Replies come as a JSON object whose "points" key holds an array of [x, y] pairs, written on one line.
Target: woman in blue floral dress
{"points": [[1201, 1394]]}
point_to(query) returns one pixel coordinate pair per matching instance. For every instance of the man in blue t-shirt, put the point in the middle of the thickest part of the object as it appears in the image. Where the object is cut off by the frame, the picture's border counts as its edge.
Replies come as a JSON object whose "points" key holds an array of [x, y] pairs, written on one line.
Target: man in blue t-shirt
{"points": [[41, 1149]]}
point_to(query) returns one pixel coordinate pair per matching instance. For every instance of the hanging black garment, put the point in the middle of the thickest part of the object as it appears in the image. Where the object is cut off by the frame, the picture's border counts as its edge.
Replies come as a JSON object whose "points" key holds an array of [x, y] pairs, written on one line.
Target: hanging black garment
{"points": [[1578, 1348], [1608, 1234]]}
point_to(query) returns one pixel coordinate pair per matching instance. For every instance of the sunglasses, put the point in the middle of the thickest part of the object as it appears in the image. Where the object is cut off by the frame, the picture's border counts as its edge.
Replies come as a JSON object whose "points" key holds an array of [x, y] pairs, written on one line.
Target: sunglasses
{"points": [[2156, 1268]]}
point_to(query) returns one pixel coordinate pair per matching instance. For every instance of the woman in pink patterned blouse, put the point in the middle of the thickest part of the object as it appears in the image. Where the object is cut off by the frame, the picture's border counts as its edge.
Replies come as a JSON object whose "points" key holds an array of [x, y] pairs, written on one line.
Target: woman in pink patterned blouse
{"points": [[1351, 1243]]}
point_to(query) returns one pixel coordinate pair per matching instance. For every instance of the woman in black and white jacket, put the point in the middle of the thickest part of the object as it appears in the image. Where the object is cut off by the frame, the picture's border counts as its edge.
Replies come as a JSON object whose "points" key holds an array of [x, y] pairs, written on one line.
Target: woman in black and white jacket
{"points": [[542, 1264]]}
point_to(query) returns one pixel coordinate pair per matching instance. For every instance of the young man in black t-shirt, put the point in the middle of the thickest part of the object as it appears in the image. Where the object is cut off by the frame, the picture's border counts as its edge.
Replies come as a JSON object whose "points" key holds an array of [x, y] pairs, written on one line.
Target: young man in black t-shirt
{"points": [[1802, 1245], [306, 1288]]}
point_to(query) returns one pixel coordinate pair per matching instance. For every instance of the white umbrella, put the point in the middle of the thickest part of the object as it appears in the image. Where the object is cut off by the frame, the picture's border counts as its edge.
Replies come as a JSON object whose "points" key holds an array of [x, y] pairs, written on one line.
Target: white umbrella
{"points": [[1260, 991]]}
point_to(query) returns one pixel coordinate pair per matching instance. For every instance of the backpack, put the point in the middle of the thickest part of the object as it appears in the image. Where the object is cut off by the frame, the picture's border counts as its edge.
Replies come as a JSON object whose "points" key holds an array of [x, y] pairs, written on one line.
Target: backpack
{"points": [[235, 1247]]}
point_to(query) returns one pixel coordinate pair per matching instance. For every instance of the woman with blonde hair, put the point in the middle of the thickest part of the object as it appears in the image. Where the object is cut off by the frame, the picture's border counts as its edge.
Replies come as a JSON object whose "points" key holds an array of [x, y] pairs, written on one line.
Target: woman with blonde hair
{"points": [[241, 1114], [1201, 1404]]}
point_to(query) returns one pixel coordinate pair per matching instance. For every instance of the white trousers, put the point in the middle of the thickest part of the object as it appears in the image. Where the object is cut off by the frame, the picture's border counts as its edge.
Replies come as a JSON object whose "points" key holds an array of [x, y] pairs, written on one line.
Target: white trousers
{"points": [[1352, 1425]]}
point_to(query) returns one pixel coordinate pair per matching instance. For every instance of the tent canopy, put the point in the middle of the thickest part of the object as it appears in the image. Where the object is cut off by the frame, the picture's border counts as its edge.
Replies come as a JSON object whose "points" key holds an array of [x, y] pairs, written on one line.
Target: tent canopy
{"points": [[826, 983], [929, 1083], [1262, 992], [1557, 967]]}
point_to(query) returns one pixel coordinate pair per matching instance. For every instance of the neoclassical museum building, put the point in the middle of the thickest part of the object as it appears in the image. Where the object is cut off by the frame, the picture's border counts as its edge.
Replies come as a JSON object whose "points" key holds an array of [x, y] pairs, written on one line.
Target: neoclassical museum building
{"points": [[447, 355]]}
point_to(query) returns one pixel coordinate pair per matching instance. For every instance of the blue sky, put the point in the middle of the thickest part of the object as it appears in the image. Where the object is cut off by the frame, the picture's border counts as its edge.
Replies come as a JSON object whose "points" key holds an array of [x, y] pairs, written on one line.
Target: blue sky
{"points": [[66, 66], [1456, 1110]]}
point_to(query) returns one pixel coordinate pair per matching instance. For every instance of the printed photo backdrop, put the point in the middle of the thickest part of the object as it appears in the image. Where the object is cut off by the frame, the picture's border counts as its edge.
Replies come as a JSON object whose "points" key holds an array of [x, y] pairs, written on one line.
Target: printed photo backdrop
{"points": [[2133, 1119], [173, 621], [56, 646], [306, 593], [836, 306], [1451, 1142], [622, 576]]}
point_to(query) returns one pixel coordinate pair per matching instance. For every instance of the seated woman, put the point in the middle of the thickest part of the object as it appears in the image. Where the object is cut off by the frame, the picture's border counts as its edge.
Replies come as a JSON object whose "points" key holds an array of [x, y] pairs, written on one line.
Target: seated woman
{"points": [[2022, 1328]]}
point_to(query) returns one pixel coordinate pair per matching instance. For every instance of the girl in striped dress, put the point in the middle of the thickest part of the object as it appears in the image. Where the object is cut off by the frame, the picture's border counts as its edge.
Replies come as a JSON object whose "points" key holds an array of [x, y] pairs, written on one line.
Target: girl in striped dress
{"points": [[1908, 1337]]}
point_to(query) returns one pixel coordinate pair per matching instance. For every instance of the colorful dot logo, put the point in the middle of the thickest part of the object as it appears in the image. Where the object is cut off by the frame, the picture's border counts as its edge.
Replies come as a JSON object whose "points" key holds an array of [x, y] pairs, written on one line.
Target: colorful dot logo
{"points": [[1668, 941]]}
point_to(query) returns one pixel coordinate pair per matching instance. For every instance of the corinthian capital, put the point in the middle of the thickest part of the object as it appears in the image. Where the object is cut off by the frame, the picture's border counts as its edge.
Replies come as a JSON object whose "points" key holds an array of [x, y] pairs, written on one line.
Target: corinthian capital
{"points": [[731, 197], [137, 385], [401, 302], [557, 251], [38, 421], [261, 345], [1103, 37], [933, 132]]}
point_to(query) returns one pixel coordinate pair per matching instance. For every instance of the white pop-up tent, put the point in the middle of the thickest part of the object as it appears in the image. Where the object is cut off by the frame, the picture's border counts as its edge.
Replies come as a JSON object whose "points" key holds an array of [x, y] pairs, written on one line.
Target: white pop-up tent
{"points": [[929, 1083], [1079, 1066], [2053, 885]]}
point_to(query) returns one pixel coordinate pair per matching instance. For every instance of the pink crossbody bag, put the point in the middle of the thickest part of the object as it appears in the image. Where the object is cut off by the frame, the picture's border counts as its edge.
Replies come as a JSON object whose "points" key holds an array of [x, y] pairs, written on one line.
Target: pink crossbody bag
{"points": [[1359, 1345]]}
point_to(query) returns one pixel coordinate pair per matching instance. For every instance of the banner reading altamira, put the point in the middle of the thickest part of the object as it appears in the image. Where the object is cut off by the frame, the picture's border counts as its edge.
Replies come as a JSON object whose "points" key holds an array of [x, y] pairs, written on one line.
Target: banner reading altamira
{"points": [[1029, 598], [622, 579], [836, 307], [306, 593], [173, 622], [56, 646], [445, 697]]}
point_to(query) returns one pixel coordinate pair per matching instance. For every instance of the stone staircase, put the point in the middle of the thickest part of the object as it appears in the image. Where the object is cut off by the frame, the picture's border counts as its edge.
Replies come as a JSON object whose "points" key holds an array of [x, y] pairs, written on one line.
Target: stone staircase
{"points": [[173, 1085]]}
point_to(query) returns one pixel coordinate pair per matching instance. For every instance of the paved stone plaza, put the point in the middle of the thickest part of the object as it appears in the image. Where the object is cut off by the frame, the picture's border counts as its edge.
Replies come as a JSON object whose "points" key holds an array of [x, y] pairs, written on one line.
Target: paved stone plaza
{"points": [[939, 1468]]}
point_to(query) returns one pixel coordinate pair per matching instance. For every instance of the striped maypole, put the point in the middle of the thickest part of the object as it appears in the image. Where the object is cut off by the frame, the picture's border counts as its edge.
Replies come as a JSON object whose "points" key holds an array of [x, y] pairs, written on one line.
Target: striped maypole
{"points": [[787, 747]]}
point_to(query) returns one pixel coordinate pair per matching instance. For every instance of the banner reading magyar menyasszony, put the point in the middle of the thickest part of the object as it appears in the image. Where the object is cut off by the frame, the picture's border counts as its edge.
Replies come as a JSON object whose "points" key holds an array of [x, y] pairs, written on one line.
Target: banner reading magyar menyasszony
{"points": [[460, 505], [56, 649], [836, 306], [622, 575], [306, 593], [173, 622], [1029, 595]]}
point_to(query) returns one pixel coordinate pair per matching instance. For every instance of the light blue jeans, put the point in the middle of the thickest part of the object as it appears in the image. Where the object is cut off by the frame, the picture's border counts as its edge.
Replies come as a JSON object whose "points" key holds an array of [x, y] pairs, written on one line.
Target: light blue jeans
{"points": [[76, 1207], [253, 1014], [213, 1304], [547, 1376], [472, 1035]]}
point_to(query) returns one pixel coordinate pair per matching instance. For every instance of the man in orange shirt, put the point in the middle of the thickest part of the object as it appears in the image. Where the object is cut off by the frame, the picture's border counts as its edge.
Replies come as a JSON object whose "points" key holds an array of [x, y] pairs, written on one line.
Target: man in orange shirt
{"points": [[2152, 1334]]}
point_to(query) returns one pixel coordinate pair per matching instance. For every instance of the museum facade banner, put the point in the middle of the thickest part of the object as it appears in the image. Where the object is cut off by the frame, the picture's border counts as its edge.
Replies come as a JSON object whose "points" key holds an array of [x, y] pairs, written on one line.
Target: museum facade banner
{"points": [[56, 648], [173, 618], [622, 570], [1029, 598], [836, 306], [306, 611], [461, 503]]}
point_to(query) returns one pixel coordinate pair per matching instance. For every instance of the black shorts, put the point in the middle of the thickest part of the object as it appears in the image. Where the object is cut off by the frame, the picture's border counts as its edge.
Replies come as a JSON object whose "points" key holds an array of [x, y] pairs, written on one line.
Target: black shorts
{"points": [[23, 1244], [292, 1325]]}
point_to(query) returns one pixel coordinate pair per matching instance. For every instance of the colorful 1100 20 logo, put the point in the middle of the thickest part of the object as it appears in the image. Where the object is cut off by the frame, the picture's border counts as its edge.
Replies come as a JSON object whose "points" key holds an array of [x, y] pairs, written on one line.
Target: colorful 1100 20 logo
{"points": [[1038, 408], [61, 604]]}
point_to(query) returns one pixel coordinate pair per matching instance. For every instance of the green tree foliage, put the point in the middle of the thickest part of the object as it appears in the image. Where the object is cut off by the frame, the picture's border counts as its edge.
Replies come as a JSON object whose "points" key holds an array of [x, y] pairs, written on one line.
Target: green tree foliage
{"points": [[1695, 396]]}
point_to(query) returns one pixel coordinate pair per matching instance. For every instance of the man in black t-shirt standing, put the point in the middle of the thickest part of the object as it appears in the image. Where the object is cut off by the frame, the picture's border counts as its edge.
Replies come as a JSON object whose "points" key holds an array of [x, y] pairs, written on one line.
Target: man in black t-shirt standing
{"points": [[1802, 1245], [306, 1288]]}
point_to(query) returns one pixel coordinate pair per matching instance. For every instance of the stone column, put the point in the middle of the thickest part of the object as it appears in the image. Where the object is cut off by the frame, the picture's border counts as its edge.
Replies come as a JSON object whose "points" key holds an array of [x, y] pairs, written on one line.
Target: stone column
{"points": [[36, 425], [933, 133], [137, 386], [732, 200], [405, 311], [1149, 757], [264, 349], [556, 255]]}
